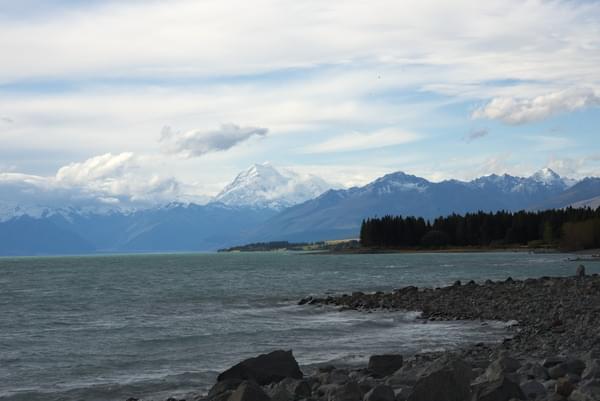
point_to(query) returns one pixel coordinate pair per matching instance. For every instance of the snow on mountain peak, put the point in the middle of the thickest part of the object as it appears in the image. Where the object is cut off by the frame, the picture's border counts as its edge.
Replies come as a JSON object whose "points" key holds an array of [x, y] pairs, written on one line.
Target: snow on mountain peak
{"points": [[264, 185], [546, 176]]}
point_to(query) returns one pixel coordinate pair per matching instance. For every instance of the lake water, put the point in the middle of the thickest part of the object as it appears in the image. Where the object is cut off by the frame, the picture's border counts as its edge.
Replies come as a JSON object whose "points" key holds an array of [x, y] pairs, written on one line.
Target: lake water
{"points": [[110, 327]]}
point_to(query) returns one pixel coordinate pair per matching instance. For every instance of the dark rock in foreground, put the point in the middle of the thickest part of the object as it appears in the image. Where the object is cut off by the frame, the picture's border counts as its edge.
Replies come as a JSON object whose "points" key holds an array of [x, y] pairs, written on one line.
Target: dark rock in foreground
{"points": [[384, 365], [444, 380], [265, 369]]}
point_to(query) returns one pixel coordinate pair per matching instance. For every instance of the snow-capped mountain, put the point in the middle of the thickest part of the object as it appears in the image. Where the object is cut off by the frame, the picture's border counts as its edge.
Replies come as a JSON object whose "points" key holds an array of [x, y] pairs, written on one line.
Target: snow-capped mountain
{"points": [[541, 181], [265, 186], [249, 210], [338, 213]]}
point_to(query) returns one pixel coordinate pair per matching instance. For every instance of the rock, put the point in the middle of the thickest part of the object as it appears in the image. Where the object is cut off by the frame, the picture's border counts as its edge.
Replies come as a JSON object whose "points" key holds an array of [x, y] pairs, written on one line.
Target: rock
{"points": [[501, 367], [551, 361], [385, 365], [501, 389], [380, 393], [249, 391], [326, 368], [404, 376], [336, 376], [223, 386], [564, 387], [446, 379], [573, 366], [576, 366], [281, 394], [592, 370], [580, 272], [348, 392], [264, 369], [534, 371], [573, 378], [588, 391], [557, 371], [292, 388], [533, 389], [324, 390]]}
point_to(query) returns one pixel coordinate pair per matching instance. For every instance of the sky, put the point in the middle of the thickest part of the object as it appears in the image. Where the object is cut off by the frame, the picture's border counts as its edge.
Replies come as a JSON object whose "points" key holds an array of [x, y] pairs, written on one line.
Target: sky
{"points": [[152, 101]]}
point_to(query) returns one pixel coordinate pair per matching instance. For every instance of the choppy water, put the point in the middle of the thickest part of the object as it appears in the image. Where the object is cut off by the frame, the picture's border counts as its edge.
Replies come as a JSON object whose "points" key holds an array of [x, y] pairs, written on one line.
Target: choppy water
{"points": [[110, 327]]}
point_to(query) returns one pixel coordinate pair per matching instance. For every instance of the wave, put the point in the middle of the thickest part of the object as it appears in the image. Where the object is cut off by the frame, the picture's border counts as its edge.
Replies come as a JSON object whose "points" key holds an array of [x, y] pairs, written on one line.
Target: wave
{"points": [[177, 385]]}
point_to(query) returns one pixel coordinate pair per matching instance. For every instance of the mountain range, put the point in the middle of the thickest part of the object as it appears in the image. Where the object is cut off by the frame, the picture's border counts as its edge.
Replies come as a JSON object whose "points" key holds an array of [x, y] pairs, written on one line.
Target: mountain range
{"points": [[264, 203]]}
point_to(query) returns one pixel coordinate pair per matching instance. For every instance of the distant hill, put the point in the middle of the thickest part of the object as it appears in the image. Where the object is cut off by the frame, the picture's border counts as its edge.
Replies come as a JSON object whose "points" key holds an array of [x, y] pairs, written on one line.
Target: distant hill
{"points": [[172, 228], [245, 218], [26, 235], [579, 194]]}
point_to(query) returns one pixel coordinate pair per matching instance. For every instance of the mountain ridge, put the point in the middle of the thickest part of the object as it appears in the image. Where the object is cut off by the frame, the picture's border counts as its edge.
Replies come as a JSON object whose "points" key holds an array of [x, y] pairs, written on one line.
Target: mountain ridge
{"points": [[333, 214]]}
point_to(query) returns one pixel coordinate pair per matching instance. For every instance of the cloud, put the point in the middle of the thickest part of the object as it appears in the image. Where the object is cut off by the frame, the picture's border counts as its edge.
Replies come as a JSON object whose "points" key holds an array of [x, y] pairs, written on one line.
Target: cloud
{"points": [[476, 134], [519, 111], [102, 182], [6, 120], [96, 168], [361, 141], [196, 143]]}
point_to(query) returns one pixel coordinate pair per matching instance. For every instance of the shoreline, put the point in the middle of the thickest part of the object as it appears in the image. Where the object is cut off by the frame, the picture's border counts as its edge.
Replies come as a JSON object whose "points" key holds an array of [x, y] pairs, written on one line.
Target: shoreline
{"points": [[554, 354]]}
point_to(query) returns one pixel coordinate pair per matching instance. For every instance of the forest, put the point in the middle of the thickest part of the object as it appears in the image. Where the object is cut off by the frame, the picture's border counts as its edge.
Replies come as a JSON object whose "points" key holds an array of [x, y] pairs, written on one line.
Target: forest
{"points": [[569, 228]]}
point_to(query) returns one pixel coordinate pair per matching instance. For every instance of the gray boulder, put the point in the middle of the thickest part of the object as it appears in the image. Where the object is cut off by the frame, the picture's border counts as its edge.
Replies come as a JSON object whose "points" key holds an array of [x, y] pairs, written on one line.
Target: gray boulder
{"points": [[404, 376], [336, 376], [592, 370], [380, 393], [385, 365], [533, 390], [551, 361], [576, 366], [264, 369], [446, 379], [557, 371], [588, 391], [249, 391], [347, 392], [564, 387], [281, 394], [501, 389], [501, 367], [221, 387], [532, 370], [290, 389], [573, 366]]}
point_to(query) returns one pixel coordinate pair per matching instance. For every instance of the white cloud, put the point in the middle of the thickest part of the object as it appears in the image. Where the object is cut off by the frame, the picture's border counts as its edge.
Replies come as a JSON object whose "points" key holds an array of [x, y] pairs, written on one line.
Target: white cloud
{"points": [[190, 38], [101, 182], [295, 67], [197, 143], [362, 141], [95, 168], [518, 111]]}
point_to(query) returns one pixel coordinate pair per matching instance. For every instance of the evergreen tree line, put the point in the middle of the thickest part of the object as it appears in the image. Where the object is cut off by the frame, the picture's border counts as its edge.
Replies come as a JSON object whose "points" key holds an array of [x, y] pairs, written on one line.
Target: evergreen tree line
{"points": [[569, 228]]}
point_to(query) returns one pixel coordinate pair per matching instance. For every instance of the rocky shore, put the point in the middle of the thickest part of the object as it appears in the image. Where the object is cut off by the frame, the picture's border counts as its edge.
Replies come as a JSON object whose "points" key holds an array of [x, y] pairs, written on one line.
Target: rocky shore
{"points": [[553, 353]]}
